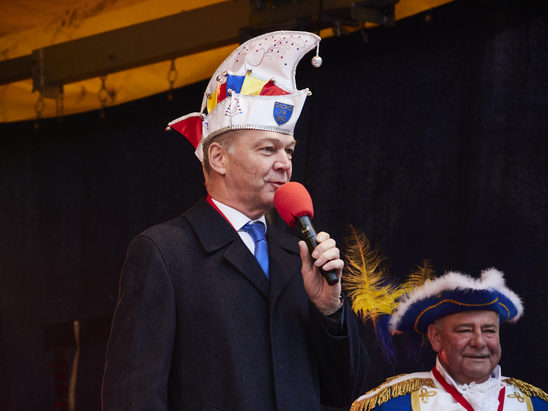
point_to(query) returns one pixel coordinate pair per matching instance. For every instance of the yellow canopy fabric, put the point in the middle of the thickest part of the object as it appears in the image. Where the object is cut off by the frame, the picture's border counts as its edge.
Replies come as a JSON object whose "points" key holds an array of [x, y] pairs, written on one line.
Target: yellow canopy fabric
{"points": [[27, 25]]}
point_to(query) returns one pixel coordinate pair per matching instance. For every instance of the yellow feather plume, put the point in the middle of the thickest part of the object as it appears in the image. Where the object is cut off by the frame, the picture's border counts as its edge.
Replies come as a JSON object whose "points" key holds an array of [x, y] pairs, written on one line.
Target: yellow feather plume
{"points": [[364, 279], [419, 276]]}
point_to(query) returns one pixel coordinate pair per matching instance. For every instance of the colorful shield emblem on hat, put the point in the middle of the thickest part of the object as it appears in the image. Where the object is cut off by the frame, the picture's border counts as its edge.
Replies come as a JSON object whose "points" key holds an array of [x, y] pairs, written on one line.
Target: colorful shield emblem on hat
{"points": [[282, 112]]}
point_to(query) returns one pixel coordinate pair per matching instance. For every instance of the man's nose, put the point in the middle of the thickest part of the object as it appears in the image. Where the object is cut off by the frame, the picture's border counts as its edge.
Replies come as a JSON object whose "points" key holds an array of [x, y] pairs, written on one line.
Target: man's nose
{"points": [[283, 161], [478, 340]]}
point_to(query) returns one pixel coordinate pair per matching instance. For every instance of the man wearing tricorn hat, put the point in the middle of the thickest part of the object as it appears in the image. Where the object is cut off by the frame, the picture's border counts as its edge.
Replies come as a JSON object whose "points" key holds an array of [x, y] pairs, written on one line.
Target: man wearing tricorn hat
{"points": [[460, 317], [214, 313]]}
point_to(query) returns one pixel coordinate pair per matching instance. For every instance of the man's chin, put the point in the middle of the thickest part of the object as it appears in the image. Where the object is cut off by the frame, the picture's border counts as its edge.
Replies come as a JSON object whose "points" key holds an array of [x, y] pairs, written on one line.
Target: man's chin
{"points": [[480, 372], [269, 201]]}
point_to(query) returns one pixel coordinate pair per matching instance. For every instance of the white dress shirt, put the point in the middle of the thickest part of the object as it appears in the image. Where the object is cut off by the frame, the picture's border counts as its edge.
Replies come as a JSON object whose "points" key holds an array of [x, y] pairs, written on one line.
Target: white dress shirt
{"points": [[238, 220]]}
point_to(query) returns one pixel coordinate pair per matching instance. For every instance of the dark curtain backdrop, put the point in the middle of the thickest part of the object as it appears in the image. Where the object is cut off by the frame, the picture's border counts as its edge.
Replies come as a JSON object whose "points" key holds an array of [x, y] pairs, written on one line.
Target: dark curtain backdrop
{"points": [[430, 137]]}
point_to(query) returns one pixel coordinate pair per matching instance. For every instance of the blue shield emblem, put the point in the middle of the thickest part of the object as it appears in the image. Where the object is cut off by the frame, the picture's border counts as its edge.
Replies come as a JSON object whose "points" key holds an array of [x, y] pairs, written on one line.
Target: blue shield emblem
{"points": [[282, 112]]}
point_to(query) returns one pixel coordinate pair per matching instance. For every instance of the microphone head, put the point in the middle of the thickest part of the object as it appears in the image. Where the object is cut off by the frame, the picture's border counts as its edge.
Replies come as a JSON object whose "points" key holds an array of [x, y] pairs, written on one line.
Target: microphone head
{"points": [[293, 200]]}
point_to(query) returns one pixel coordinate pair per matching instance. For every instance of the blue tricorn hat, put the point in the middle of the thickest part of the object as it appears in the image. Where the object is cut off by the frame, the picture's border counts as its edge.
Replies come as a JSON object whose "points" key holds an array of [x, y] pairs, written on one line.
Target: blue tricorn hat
{"points": [[451, 293]]}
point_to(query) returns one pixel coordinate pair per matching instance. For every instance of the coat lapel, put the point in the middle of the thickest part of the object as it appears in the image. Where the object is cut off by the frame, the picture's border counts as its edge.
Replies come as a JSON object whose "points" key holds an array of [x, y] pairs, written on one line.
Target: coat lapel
{"points": [[284, 260], [216, 234]]}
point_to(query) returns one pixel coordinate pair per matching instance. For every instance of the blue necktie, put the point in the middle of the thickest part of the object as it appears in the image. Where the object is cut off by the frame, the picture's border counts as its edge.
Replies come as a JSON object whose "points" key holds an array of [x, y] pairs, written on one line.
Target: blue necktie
{"points": [[257, 232]]}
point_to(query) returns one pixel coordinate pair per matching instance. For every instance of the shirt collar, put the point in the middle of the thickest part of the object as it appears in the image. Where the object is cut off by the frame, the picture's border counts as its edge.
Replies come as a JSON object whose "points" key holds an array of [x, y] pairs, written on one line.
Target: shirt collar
{"points": [[235, 217], [495, 375]]}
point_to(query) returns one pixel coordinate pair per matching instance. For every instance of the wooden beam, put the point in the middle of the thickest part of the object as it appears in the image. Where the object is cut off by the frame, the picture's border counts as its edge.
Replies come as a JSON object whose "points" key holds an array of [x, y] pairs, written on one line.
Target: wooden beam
{"points": [[145, 43], [16, 69], [159, 40]]}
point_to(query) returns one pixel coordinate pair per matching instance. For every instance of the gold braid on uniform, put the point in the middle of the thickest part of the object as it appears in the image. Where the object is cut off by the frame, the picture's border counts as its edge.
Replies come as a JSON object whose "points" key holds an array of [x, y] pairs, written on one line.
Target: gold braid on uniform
{"points": [[385, 394], [527, 389]]}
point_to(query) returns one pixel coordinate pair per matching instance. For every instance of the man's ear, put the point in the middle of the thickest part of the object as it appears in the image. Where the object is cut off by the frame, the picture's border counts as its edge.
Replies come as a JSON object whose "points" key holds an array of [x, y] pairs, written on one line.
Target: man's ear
{"points": [[434, 336], [217, 158]]}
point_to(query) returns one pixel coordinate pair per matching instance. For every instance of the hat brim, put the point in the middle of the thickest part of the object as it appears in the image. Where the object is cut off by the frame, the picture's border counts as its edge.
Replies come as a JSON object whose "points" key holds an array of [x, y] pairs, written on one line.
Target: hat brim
{"points": [[451, 293]]}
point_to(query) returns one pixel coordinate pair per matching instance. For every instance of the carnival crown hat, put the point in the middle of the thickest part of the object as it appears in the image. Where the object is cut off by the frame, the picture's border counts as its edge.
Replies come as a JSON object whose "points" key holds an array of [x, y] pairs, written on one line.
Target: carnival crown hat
{"points": [[451, 293], [253, 88]]}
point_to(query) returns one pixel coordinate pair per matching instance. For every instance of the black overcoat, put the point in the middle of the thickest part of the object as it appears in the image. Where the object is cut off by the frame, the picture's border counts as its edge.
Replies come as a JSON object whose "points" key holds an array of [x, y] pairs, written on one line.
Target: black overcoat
{"points": [[198, 326]]}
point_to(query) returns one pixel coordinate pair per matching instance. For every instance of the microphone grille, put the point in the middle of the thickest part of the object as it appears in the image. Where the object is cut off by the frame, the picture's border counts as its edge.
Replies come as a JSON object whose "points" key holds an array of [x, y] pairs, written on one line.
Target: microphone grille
{"points": [[293, 200]]}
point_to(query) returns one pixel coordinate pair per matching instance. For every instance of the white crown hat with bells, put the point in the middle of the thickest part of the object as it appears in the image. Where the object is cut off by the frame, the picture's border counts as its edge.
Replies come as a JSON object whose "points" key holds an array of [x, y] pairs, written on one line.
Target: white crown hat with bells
{"points": [[254, 88]]}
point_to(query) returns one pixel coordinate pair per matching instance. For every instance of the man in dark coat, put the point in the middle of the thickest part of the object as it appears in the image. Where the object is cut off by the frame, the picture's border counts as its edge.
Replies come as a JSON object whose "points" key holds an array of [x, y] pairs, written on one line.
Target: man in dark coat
{"points": [[201, 322]]}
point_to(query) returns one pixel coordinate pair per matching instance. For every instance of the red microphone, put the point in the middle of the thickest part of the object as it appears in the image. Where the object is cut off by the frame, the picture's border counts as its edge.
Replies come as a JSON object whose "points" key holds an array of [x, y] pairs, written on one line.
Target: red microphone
{"points": [[294, 205]]}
